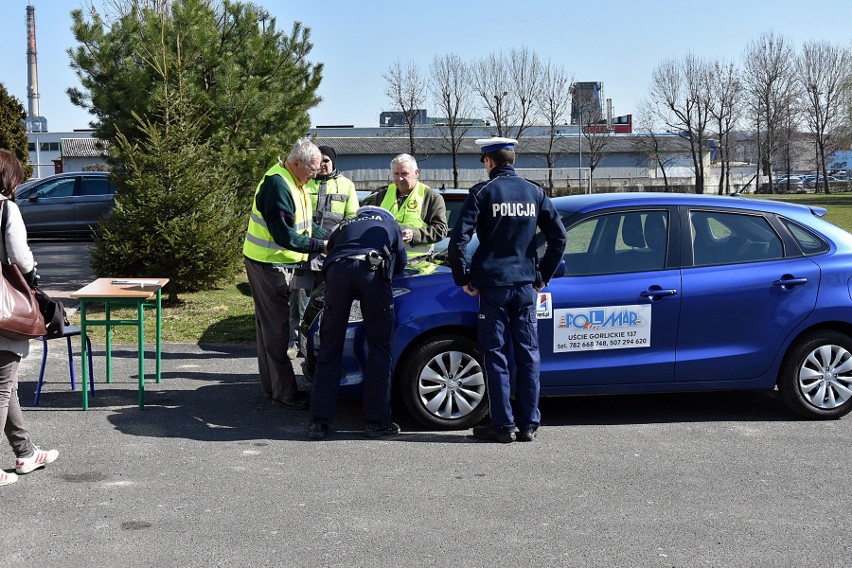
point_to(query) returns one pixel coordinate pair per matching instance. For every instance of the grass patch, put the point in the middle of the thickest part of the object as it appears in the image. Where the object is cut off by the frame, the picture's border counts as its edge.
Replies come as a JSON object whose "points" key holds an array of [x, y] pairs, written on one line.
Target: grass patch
{"points": [[221, 315], [839, 205]]}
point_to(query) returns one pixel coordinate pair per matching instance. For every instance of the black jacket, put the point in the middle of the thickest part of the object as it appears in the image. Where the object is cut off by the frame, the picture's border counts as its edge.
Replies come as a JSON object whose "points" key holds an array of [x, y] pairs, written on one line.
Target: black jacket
{"points": [[505, 212]]}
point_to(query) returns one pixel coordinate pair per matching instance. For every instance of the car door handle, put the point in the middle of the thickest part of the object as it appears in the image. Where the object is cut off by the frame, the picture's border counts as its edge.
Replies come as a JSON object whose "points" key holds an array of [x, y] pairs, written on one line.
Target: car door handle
{"points": [[787, 282], [655, 291]]}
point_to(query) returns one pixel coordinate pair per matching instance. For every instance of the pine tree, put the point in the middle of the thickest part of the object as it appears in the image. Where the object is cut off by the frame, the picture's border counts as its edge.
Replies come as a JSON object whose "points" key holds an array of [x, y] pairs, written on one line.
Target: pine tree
{"points": [[13, 134], [177, 213], [196, 99], [253, 82]]}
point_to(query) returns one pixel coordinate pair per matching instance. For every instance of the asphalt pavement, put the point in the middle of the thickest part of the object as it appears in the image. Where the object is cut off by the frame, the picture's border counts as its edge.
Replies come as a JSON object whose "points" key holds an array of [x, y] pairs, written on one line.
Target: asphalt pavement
{"points": [[210, 474]]}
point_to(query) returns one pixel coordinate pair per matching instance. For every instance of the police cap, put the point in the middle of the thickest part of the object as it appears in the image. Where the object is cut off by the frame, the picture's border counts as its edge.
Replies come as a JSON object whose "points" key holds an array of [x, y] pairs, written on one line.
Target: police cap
{"points": [[493, 144], [375, 212]]}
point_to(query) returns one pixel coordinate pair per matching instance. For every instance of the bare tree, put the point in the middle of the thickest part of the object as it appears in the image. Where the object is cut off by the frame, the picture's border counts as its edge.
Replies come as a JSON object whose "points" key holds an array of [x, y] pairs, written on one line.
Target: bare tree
{"points": [[651, 139], [822, 69], [491, 83], [553, 101], [452, 94], [525, 71], [680, 92], [770, 85], [406, 88], [598, 138], [507, 87], [725, 109]]}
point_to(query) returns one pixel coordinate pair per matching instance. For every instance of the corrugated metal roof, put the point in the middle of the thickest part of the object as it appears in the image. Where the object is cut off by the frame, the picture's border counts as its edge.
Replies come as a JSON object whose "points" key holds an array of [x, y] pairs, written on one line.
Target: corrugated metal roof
{"points": [[392, 145], [83, 147]]}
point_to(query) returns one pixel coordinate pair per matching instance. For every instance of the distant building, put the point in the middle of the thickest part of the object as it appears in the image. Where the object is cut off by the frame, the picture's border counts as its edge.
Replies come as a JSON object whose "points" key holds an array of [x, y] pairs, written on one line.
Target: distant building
{"points": [[390, 119], [586, 102], [49, 150]]}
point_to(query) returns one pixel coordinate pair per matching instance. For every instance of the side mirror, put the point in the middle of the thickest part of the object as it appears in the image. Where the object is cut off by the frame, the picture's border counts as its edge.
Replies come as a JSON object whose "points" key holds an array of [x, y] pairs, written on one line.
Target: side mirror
{"points": [[560, 270], [33, 196]]}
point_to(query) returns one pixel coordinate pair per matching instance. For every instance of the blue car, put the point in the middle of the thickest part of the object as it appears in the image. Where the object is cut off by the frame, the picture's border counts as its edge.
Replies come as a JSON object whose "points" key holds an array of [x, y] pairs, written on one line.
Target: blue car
{"points": [[658, 292]]}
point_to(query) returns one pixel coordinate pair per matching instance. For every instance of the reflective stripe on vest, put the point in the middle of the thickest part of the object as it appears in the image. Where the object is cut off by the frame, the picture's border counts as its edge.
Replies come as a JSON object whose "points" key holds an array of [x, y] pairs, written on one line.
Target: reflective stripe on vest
{"points": [[331, 207], [259, 244]]}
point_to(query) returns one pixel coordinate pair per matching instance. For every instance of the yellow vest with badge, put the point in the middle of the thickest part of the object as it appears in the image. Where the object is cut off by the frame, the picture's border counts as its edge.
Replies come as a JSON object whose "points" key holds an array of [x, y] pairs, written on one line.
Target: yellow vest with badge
{"points": [[410, 213], [259, 244]]}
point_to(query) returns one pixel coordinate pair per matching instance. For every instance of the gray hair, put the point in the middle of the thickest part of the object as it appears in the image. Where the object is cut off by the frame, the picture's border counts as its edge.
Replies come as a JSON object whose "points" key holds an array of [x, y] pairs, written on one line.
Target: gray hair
{"points": [[402, 158], [303, 150]]}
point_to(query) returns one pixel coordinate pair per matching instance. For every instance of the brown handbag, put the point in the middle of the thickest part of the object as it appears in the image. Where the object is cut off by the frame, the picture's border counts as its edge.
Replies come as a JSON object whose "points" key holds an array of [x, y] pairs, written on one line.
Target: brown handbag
{"points": [[20, 317]]}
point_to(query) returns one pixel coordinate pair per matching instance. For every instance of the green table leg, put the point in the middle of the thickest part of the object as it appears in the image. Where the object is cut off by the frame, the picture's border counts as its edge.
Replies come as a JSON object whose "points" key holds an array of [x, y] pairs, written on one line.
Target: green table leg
{"points": [[141, 338], [159, 334], [108, 329], [84, 350]]}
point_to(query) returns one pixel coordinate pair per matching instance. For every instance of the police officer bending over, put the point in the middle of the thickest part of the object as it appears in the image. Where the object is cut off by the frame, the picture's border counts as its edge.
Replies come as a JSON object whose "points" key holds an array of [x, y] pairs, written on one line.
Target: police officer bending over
{"points": [[506, 275], [364, 253]]}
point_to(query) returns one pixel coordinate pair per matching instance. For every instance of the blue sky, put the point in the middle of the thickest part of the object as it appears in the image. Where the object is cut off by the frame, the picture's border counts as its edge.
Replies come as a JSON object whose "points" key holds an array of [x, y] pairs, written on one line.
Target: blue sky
{"points": [[618, 42]]}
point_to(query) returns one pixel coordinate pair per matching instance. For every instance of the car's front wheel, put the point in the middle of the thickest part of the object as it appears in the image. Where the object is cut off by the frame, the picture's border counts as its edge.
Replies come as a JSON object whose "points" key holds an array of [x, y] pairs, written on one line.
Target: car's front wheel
{"points": [[442, 384], [816, 378]]}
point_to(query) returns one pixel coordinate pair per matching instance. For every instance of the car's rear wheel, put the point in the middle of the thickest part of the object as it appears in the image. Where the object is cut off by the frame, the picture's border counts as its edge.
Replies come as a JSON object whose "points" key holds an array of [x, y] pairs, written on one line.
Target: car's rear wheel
{"points": [[442, 384], [816, 377]]}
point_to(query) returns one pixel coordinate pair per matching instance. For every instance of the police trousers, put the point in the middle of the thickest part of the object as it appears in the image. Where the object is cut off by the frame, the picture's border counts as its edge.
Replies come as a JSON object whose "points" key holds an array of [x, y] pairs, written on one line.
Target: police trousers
{"points": [[508, 339], [346, 280]]}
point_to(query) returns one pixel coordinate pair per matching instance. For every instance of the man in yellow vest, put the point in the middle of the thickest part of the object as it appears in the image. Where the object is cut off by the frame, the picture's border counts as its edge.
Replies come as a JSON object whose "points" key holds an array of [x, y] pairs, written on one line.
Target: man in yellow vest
{"points": [[333, 199], [280, 235], [420, 211]]}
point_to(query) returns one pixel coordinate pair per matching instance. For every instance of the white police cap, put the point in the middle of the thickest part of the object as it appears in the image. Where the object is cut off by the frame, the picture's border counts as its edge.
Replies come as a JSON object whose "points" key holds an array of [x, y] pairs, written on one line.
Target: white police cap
{"points": [[495, 143]]}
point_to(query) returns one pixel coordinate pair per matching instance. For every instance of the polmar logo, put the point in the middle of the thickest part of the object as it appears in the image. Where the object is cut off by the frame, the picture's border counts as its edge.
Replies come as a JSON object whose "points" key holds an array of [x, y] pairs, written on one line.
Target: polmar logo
{"points": [[601, 318]]}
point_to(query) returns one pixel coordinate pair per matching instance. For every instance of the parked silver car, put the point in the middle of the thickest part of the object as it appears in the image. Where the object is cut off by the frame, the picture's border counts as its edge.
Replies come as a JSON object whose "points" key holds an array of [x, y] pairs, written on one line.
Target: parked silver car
{"points": [[65, 205]]}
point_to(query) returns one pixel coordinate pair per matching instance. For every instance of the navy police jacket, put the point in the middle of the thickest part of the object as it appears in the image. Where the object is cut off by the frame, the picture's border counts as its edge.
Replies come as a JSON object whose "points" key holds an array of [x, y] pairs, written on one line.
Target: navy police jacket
{"points": [[364, 233], [505, 212]]}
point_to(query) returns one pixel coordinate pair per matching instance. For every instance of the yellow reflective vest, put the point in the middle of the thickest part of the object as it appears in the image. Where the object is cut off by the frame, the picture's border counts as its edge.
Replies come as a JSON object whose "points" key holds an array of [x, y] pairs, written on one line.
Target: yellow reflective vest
{"points": [[410, 213], [339, 201], [259, 244]]}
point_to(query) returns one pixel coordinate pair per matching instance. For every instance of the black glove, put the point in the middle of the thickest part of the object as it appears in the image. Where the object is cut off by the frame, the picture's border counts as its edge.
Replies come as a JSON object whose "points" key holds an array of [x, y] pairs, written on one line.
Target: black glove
{"points": [[32, 277]]}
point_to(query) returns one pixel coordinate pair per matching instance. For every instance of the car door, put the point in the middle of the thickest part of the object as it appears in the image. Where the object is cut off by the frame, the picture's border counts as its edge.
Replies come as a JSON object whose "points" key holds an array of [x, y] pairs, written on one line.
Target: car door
{"points": [[94, 200], [49, 207], [613, 317], [742, 297]]}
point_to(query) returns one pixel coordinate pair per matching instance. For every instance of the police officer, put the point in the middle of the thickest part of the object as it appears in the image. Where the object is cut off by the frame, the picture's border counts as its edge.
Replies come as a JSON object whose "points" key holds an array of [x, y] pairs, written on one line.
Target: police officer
{"points": [[364, 253], [506, 275]]}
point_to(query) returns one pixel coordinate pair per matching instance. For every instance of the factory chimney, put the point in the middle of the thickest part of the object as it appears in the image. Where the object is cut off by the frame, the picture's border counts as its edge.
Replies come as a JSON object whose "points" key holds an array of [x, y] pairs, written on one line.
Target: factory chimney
{"points": [[34, 122]]}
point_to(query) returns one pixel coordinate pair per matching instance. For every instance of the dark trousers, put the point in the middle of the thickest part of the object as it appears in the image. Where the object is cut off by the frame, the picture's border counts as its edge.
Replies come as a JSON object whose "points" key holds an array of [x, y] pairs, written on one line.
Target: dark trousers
{"points": [[347, 280], [508, 338], [270, 289]]}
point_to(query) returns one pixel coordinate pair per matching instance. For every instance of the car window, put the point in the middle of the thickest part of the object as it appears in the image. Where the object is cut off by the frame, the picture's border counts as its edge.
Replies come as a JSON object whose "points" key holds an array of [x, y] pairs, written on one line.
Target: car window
{"points": [[453, 207], [627, 241], [96, 186], [808, 242], [729, 238], [58, 188]]}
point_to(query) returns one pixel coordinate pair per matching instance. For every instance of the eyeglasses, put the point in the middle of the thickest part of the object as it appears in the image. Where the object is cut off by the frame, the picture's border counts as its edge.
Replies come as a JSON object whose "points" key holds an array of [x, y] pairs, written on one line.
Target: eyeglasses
{"points": [[310, 170], [326, 161]]}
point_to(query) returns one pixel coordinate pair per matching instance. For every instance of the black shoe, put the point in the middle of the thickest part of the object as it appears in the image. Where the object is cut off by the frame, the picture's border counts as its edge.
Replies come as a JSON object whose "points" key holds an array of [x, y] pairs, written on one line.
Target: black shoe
{"points": [[377, 430], [491, 433], [292, 401], [526, 435], [318, 430]]}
